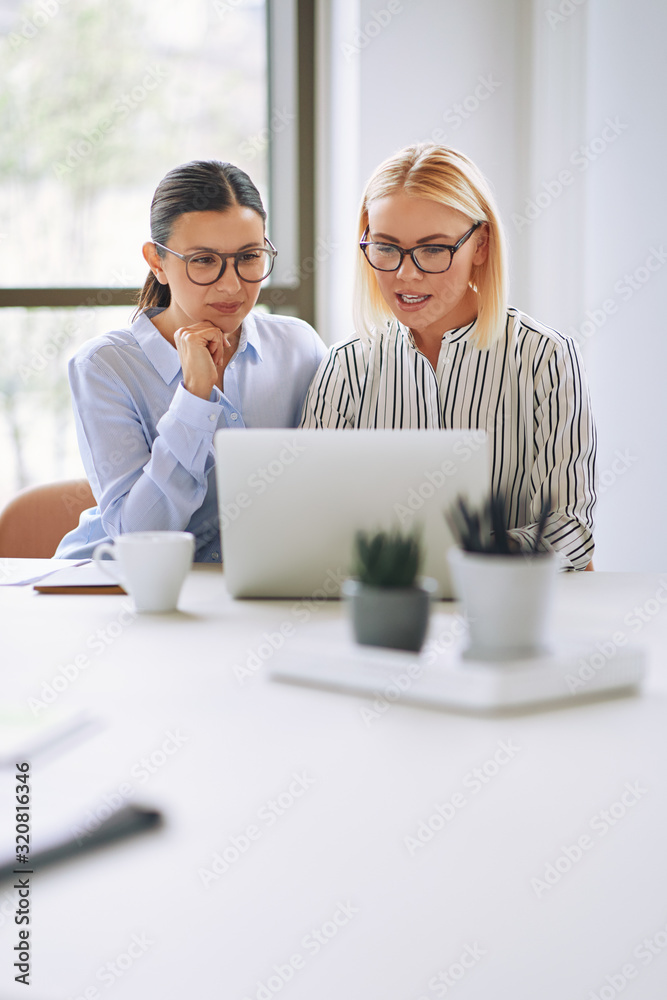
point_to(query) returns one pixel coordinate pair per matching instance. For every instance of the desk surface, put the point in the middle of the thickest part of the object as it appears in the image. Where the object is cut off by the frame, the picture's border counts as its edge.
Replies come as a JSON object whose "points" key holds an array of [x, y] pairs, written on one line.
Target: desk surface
{"points": [[315, 849]]}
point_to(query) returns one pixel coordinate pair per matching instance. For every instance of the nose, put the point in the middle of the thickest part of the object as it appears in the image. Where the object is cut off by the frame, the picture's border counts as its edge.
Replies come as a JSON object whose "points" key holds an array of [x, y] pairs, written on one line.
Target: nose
{"points": [[408, 269], [229, 279]]}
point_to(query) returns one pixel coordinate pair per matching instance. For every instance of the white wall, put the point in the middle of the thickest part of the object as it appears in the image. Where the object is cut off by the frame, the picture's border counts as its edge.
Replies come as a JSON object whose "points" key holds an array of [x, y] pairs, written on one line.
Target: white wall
{"points": [[626, 219], [560, 104]]}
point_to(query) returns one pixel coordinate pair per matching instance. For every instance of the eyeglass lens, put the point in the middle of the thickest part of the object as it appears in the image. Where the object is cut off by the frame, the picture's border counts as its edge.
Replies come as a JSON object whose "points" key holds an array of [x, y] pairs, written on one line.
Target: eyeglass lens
{"points": [[385, 257], [251, 265]]}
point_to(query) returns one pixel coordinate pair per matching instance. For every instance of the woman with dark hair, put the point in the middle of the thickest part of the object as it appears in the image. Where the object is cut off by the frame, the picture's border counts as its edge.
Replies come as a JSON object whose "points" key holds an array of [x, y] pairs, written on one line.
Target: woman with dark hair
{"points": [[148, 399]]}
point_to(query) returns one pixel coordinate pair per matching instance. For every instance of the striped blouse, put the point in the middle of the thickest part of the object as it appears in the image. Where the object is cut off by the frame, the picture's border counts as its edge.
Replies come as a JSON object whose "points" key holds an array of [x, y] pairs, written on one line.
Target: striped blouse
{"points": [[528, 391]]}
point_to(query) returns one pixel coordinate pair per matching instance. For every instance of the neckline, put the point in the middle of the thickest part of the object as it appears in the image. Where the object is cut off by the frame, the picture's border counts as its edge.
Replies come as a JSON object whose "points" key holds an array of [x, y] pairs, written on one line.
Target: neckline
{"points": [[457, 333]]}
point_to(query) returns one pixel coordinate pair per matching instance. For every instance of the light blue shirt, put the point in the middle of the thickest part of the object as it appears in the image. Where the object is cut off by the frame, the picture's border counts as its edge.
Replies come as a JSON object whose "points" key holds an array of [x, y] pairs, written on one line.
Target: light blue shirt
{"points": [[147, 443]]}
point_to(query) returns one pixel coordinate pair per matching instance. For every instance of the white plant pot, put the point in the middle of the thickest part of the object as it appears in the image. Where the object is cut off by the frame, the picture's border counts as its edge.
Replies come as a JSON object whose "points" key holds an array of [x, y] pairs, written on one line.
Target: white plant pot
{"points": [[507, 600]]}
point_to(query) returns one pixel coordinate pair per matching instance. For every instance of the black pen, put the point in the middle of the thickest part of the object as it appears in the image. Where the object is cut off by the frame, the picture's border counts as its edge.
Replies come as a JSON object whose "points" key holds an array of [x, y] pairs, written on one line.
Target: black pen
{"points": [[123, 823]]}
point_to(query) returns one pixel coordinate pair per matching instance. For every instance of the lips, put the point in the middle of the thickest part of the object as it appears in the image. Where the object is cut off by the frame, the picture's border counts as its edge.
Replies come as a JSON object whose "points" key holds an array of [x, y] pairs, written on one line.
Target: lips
{"points": [[408, 301], [226, 307]]}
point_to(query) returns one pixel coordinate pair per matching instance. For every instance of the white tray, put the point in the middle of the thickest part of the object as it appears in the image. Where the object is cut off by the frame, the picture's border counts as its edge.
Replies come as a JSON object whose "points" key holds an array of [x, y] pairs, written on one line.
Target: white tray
{"points": [[568, 674]]}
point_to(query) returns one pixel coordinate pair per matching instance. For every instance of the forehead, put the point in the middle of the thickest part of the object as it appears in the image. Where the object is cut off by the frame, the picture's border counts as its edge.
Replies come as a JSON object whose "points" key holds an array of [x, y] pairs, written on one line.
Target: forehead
{"points": [[409, 219], [226, 231]]}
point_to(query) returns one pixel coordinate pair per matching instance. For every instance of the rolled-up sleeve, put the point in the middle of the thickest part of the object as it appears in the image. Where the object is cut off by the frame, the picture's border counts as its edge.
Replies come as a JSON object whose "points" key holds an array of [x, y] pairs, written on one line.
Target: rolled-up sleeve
{"points": [[563, 467]]}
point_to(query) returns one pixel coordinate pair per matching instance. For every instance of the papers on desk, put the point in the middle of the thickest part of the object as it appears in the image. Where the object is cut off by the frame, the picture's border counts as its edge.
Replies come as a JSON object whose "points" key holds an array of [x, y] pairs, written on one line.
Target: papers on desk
{"points": [[443, 679], [22, 572], [82, 578], [58, 576], [24, 735]]}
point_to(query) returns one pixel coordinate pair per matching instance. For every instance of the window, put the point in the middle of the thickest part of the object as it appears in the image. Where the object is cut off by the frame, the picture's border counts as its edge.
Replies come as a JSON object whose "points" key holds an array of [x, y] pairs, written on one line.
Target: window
{"points": [[97, 103]]}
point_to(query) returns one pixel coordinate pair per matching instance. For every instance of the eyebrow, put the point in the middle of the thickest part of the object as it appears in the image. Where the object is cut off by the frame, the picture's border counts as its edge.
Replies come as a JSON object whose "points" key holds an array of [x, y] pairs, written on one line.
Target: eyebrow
{"points": [[435, 238], [246, 246]]}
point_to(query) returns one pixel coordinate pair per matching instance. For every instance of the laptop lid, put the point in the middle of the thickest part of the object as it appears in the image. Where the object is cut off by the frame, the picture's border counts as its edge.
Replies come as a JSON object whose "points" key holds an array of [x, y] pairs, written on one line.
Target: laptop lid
{"points": [[291, 500]]}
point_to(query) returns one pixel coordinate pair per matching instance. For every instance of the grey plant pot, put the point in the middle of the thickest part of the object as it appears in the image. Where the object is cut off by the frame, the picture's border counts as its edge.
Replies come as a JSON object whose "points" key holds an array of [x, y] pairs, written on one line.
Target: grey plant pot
{"points": [[394, 617]]}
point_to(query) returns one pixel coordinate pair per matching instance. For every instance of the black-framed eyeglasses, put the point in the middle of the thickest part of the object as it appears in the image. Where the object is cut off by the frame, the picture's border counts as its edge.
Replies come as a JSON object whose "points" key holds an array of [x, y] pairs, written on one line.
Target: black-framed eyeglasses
{"points": [[205, 267], [433, 258]]}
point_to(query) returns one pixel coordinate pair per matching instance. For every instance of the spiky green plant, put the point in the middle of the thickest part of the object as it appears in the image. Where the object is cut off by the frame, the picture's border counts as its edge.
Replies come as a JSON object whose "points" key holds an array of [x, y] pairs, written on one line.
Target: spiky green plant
{"points": [[387, 558]]}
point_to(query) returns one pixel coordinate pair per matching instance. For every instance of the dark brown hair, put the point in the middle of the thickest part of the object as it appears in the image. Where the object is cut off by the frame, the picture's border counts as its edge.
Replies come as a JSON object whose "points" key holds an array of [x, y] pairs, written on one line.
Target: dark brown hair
{"points": [[199, 186]]}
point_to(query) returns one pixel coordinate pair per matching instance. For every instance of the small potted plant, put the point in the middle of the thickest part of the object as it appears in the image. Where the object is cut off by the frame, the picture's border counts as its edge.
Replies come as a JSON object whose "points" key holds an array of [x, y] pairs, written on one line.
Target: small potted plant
{"points": [[506, 590], [389, 603]]}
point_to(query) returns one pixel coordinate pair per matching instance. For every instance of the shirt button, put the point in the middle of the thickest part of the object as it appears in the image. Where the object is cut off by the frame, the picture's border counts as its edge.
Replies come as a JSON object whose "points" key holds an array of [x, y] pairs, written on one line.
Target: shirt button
{"points": [[212, 416], [235, 416], [215, 555]]}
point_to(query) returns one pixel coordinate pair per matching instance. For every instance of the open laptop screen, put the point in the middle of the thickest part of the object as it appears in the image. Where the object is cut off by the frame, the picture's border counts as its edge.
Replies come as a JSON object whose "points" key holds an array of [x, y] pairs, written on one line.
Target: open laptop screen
{"points": [[291, 500]]}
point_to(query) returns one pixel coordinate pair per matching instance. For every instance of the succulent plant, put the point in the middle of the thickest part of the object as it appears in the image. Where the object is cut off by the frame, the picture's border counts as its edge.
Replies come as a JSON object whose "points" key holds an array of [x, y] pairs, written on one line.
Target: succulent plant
{"points": [[387, 558]]}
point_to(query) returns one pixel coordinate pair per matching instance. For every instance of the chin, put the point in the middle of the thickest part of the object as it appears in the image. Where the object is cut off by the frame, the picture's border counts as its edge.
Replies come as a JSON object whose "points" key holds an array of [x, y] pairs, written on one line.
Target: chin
{"points": [[228, 324]]}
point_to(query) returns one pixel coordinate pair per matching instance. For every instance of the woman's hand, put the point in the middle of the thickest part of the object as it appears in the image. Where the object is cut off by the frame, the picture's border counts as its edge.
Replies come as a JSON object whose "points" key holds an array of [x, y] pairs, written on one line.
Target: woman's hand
{"points": [[204, 352]]}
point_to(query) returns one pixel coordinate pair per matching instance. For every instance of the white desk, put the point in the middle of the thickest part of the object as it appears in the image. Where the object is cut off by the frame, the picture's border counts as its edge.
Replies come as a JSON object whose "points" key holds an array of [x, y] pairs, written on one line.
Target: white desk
{"points": [[325, 853]]}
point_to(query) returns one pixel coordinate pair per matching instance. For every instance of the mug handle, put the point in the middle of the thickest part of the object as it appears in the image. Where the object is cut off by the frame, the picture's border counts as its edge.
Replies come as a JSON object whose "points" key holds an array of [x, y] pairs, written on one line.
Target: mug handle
{"points": [[105, 548]]}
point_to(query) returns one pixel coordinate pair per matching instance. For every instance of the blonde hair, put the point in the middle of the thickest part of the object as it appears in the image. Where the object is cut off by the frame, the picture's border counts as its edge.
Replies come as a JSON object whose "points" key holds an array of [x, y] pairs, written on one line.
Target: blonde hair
{"points": [[437, 173]]}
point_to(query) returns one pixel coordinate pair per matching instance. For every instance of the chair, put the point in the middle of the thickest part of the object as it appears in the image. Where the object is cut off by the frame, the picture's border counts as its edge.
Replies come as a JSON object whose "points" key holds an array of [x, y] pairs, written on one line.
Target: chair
{"points": [[34, 521]]}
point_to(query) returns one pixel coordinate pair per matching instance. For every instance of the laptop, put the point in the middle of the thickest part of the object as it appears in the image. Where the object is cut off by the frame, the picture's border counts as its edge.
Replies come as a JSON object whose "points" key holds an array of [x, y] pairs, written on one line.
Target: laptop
{"points": [[291, 500]]}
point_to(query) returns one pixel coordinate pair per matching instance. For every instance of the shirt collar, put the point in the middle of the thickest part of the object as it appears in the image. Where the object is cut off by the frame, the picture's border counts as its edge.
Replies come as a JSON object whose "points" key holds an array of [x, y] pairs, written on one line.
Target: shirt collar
{"points": [[161, 354], [250, 336], [451, 336], [164, 357]]}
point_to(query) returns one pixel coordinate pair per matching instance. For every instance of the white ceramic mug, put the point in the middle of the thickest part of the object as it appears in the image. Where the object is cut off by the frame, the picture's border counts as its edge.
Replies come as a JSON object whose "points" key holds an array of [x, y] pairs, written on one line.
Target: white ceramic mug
{"points": [[150, 565]]}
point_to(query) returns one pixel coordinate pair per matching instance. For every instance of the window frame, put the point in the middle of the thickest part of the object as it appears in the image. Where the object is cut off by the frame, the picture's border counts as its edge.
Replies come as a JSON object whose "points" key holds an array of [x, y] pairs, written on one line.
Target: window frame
{"points": [[298, 298]]}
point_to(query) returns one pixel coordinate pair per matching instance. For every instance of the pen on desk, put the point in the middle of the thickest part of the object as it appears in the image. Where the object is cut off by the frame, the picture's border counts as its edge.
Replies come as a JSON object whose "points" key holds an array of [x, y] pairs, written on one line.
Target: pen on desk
{"points": [[123, 823]]}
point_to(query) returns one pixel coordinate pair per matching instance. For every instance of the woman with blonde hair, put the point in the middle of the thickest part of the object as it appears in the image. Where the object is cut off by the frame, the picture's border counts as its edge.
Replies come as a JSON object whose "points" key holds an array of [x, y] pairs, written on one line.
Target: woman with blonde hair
{"points": [[437, 346]]}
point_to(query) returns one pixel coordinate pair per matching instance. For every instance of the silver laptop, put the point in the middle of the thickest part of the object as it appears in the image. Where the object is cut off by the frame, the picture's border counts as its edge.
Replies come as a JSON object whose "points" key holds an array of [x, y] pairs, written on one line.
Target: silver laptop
{"points": [[291, 501]]}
